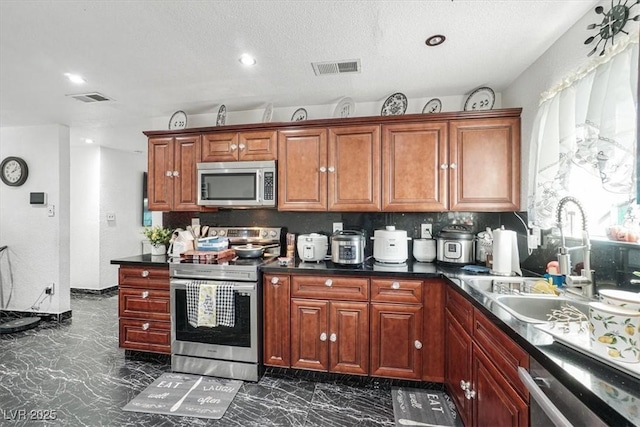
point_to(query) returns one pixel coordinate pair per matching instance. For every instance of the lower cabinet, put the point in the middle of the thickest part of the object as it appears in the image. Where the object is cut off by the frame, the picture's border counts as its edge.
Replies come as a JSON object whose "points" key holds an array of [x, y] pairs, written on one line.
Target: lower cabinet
{"points": [[144, 309], [481, 369]]}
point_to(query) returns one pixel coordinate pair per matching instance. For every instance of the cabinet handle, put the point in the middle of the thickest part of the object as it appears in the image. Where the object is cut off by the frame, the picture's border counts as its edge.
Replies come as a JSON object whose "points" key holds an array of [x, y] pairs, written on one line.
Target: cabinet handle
{"points": [[242, 147], [470, 394], [453, 166], [417, 344], [333, 337], [145, 294], [233, 147], [176, 173], [546, 404], [274, 280], [329, 282], [395, 285], [145, 273], [465, 385], [323, 337], [145, 326], [444, 166], [332, 169], [323, 169], [169, 174]]}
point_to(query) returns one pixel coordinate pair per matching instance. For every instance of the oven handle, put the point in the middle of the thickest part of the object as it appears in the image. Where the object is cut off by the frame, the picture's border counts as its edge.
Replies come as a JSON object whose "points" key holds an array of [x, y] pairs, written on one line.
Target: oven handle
{"points": [[237, 286]]}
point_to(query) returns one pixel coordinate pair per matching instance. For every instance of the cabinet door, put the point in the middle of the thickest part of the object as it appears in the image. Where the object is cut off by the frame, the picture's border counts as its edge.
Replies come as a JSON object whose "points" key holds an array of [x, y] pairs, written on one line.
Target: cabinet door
{"points": [[302, 170], [457, 369], [220, 147], [160, 176], [412, 178], [261, 145], [396, 334], [185, 179], [485, 165], [433, 331], [349, 337], [354, 169], [309, 334], [277, 318], [496, 402]]}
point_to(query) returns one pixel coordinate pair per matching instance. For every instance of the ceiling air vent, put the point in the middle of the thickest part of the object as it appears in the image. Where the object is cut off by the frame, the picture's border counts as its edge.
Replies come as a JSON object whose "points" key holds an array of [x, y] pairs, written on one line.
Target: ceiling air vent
{"points": [[336, 67], [90, 97]]}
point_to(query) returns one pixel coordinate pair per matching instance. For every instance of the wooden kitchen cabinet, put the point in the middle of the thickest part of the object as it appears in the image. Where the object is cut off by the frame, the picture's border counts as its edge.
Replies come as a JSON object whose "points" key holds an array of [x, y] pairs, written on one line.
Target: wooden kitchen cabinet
{"points": [[172, 178], [239, 146], [481, 368], [144, 309], [276, 320], [484, 164], [335, 169]]}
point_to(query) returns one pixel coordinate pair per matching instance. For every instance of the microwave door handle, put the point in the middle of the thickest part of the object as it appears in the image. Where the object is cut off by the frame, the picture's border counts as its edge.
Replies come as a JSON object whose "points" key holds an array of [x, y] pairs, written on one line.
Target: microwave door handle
{"points": [[259, 186], [205, 191]]}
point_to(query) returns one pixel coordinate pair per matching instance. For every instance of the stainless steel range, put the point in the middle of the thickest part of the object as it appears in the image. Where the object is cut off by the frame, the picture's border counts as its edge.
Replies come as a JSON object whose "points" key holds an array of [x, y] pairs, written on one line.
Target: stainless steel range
{"points": [[232, 349]]}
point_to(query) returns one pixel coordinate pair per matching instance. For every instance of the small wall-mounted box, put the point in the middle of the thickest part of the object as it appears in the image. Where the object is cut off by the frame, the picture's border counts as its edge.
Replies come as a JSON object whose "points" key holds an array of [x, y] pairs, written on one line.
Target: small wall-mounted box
{"points": [[38, 198]]}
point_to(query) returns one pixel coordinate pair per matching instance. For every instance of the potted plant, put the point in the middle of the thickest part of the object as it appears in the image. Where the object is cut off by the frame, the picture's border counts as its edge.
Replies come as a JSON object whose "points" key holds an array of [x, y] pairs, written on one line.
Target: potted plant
{"points": [[158, 237]]}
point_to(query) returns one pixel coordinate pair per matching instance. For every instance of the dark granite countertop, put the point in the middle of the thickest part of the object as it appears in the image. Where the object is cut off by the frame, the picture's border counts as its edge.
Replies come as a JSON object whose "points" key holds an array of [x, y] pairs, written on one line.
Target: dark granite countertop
{"points": [[612, 394]]}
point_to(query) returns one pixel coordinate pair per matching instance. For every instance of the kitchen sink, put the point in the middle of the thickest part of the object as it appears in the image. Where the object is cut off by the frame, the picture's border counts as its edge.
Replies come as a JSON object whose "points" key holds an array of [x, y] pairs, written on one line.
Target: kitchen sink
{"points": [[536, 308]]}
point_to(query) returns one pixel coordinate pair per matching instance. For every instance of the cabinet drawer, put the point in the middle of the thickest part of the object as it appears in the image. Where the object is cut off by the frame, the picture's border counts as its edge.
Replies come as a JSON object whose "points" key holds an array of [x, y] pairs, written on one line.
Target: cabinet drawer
{"points": [[460, 309], [143, 304], [332, 287], [401, 291], [145, 336], [502, 350], [144, 277]]}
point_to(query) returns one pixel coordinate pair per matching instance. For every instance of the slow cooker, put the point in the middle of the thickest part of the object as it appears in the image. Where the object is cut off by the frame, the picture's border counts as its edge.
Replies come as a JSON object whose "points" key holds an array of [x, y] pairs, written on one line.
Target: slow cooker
{"points": [[456, 245], [347, 247]]}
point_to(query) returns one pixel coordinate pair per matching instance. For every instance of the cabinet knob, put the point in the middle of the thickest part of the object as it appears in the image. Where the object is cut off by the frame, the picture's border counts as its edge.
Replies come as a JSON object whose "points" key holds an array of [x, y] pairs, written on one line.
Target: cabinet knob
{"points": [[469, 394], [145, 326], [145, 294], [176, 173], [145, 273], [417, 344], [323, 337], [395, 285], [329, 282], [233, 147], [332, 169], [453, 166], [444, 166], [333, 337], [465, 385], [274, 280], [323, 169], [242, 147], [169, 174]]}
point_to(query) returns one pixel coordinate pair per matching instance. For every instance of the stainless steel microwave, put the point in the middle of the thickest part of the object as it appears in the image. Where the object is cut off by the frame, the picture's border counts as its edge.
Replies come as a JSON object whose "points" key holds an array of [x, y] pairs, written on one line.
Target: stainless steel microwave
{"points": [[237, 184]]}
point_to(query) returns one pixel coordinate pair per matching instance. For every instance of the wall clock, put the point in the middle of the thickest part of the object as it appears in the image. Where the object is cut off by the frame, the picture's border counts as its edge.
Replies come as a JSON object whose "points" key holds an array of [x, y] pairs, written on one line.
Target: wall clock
{"points": [[613, 22], [14, 171]]}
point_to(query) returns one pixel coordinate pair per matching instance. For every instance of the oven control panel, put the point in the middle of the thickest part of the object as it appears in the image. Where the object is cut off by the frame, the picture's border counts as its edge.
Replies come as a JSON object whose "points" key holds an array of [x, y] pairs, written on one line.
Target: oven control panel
{"points": [[247, 234]]}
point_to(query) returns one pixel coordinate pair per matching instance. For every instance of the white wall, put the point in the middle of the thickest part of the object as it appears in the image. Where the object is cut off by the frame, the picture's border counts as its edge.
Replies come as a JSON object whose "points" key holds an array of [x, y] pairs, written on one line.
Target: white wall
{"points": [[38, 244]]}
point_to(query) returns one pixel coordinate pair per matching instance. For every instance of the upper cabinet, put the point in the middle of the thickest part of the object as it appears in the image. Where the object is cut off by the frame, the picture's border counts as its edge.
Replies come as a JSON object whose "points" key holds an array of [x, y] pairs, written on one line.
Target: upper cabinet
{"points": [[336, 169], [234, 146], [172, 179]]}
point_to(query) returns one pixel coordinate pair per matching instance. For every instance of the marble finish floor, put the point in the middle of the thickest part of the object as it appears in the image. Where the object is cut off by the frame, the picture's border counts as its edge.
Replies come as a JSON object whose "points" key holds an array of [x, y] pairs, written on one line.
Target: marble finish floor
{"points": [[73, 371]]}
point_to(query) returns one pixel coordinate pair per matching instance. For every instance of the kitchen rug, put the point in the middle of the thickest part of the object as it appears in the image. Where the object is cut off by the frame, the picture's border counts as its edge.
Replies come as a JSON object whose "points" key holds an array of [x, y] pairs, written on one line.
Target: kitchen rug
{"points": [[419, 407], [186, 395]]}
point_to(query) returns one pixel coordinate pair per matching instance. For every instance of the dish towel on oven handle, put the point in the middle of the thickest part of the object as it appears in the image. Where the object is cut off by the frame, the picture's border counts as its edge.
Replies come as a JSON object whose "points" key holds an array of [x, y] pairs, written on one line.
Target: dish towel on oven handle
{"points": [[207, 305], [193, 295], [225, 305]]}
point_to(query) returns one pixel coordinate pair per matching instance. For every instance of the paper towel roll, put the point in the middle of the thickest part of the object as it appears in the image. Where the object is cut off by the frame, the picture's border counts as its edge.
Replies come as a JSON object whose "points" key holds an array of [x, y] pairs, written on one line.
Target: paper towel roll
{"points": [[506, 260]]}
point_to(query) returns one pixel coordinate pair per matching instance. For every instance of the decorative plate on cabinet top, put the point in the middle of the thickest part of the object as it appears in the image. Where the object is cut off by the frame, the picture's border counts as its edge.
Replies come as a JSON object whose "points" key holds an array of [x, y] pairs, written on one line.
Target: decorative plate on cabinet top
{"points": [[395, 105], [433, 106], [345, 108], [482, 98], [222, 116], [178, 120], [299, 115], [268, 113]]}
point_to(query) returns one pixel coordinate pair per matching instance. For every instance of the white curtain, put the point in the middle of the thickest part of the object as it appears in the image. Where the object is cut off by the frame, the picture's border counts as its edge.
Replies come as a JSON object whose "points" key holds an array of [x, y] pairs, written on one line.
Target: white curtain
{"points": [[583, 141]]}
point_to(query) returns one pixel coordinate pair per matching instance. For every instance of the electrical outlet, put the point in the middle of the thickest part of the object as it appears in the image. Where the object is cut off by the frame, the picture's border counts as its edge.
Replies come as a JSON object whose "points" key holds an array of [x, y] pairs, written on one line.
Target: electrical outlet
{"points": [[195, 221], [50, 290], [51, 210], [533, 238], [425, 231], [111, 216], [337, 226]]}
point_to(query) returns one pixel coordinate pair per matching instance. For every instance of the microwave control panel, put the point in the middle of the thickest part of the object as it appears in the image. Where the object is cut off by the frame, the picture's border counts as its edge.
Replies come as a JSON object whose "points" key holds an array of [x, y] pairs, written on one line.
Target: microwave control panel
{"points": [[268, 185]]}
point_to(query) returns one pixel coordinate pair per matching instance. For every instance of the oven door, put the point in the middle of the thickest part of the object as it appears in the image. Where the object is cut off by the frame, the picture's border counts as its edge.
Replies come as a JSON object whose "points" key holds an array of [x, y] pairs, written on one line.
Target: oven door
{"points": [[237, 343]]}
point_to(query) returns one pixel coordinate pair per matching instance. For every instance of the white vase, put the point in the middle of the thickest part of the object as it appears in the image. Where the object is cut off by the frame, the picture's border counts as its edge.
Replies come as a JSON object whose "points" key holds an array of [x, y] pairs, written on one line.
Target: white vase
{"points": [[158, 249]]}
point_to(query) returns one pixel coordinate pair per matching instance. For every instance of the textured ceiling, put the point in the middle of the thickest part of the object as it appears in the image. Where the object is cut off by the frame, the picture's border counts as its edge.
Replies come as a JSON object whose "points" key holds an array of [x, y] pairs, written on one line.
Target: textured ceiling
{"points": [[155, 57]]}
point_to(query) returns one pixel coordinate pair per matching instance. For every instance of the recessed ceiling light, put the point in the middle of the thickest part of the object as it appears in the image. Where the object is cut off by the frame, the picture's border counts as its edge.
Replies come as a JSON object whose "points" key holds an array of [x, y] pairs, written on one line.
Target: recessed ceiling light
{"points": [[435, 40], [247, 59], [88, 140], [75, 78]]}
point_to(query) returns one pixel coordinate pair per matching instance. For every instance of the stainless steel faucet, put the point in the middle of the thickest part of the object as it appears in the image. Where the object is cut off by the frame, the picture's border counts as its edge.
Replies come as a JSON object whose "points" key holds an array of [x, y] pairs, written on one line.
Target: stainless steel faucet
{"points": [[585, 280]]}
